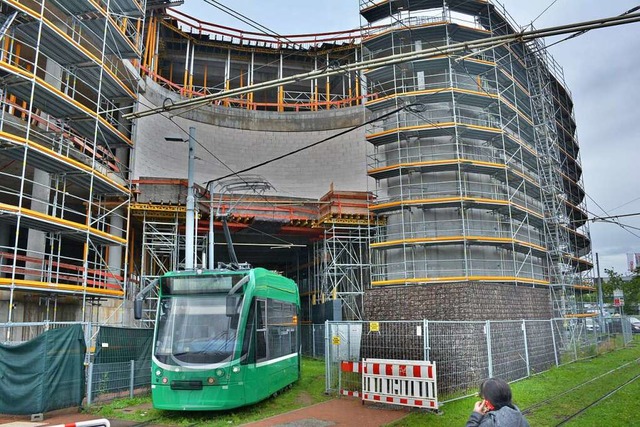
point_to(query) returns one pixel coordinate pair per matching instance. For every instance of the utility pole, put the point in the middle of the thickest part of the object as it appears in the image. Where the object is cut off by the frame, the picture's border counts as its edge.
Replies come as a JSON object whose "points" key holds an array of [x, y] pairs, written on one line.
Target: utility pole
{"points": [[191, 203], [211, 224], [600, 298]]}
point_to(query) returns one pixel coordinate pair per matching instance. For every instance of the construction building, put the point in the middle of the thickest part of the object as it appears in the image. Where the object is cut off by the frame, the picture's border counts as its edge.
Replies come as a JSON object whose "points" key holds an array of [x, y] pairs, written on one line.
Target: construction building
{"points": [[426, 185]]}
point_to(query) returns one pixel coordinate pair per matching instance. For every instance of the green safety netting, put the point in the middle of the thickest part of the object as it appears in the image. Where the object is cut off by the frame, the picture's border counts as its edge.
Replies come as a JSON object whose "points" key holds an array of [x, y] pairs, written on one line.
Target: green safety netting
{"points": [[43, 374], [114, 345]]}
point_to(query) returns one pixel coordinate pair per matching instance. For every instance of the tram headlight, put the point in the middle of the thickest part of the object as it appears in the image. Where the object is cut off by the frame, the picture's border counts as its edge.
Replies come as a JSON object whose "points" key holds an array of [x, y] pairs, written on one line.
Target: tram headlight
{"points": [[165, 380], [220, 372], [235, 369], [211, 380], [158, 372]]}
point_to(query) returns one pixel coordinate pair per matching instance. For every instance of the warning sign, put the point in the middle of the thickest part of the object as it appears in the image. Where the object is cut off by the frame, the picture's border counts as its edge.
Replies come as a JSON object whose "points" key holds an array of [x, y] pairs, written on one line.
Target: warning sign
{"points": [[374, 327], [336, 340], [618, 302]]}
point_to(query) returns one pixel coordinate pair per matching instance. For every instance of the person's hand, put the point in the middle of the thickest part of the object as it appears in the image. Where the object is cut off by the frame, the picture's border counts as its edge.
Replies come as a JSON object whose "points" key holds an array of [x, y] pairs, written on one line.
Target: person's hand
{"points": [[479, 407]]}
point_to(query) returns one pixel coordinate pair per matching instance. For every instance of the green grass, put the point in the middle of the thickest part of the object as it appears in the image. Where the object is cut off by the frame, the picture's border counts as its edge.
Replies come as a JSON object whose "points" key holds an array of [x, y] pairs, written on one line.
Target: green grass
{"points": [[618, 410], [307, 391]]}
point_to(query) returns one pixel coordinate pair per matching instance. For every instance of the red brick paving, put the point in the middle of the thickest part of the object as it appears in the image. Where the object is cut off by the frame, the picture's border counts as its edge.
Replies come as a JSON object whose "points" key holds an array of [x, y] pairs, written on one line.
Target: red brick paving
{"points": [[336, 412]]}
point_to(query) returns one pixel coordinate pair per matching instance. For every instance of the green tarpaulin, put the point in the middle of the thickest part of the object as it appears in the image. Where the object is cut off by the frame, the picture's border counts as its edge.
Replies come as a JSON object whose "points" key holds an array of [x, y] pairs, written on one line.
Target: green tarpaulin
{"points": [[115, 345], [43, 374]]}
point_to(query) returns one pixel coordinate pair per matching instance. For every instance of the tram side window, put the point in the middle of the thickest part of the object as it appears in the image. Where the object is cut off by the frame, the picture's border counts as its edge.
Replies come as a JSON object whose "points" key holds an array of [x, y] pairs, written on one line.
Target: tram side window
{"points": [[282, 329], [261, 330]]}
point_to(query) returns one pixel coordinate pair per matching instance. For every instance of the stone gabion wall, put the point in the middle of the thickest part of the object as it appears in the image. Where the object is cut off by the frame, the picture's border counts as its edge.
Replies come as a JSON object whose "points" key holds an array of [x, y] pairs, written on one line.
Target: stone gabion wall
{"points": [[457, 301], [458, 337]]}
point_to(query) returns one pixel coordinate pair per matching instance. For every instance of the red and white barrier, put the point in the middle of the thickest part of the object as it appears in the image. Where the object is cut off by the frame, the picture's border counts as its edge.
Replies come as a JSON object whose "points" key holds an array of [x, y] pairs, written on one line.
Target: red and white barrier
{"points": [[400, 382], [349, 366], [102, 422]]}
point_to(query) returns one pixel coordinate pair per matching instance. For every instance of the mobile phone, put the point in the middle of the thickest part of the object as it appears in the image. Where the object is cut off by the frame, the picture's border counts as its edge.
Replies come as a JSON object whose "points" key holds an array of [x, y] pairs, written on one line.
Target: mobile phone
{"points": [[488, 406]]}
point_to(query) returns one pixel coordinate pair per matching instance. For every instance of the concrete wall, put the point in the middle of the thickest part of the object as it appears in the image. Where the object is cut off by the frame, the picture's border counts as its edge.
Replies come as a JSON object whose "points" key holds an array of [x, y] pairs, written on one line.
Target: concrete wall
{"points": [[458, 301], [241, 138]]}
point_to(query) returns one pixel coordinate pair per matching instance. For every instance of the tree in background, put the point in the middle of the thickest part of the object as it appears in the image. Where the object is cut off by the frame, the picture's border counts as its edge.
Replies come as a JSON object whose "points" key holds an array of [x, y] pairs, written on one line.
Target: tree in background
{"points": [[630, 288]]}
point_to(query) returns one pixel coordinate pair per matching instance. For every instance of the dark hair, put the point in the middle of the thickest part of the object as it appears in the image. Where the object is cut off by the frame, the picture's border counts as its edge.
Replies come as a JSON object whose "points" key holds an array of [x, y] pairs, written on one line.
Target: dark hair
{"points": [[497, 392]]}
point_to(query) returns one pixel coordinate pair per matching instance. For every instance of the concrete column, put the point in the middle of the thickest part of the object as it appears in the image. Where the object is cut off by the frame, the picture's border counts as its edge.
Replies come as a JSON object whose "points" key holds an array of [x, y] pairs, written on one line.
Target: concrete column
{"points": [[36, 239], [116, 222]]}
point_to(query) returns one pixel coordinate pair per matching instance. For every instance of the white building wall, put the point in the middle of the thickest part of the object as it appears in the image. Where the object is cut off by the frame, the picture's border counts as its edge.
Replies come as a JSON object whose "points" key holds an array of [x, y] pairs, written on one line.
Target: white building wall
{"points": [[241, 138]]}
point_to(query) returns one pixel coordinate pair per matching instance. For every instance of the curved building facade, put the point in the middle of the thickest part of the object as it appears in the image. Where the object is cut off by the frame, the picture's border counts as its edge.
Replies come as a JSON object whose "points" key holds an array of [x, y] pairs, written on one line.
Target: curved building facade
{"points": [[472, 175], [435, 181]]}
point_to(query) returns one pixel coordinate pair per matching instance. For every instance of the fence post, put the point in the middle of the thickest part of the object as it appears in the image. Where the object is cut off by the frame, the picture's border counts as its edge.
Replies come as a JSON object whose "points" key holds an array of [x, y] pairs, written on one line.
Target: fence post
{"points": [[487, 331], [425, 333], [313, 340], [89, 383], [327, 356], [87, 340], [526, 346], [132, 378], [575, 341], [553, 338]]}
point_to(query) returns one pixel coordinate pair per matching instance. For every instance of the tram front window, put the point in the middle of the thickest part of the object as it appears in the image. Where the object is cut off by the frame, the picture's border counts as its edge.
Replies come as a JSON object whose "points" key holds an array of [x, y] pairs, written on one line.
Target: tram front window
{"points": [[196, 330]]}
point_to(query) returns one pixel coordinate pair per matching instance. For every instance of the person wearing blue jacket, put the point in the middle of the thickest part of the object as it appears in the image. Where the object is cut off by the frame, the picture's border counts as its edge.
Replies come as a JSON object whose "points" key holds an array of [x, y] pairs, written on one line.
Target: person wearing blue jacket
{"points": [[496, 408]]}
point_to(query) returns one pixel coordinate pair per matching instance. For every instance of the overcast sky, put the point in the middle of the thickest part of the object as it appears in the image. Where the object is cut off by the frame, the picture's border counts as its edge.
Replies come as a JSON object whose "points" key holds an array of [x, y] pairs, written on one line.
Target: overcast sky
{"points": [[601, 69]]}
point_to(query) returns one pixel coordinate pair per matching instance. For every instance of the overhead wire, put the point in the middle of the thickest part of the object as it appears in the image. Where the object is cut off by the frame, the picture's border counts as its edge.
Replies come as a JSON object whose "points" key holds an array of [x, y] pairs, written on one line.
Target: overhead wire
{"points": [[542, 13], [579, 33], [412, 111], [607, 213], [262, 29]]}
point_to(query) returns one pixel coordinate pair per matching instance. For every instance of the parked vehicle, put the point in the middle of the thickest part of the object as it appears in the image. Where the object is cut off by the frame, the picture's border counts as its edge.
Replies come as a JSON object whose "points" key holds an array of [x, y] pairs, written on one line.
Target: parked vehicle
{"points": [[635, 324]]}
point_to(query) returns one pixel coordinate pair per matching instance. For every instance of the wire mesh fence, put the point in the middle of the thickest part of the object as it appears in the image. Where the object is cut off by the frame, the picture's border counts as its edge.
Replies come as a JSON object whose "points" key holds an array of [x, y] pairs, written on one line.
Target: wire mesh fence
{"points": [[465, 352], [118, 359], [106, 381]]}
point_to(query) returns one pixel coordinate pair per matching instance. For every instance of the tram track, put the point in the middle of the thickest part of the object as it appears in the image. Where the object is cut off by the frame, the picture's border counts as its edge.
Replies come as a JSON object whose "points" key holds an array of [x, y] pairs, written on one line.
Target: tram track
{"points": [[555, 398], [536, 405], [600, 399]]}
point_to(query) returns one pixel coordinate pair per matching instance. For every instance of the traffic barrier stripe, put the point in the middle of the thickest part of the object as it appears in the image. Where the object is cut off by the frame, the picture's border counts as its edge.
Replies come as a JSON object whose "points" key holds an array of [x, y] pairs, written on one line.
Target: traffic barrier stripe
{"points": [[348, 366], [400, 382], [397, 370], [102, 422], [399, 400]]}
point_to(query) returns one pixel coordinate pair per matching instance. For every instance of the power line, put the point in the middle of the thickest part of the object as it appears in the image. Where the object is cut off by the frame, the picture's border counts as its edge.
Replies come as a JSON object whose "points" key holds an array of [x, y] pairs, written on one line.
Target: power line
{"points": [[625, 204], [601, 218], [488, 42], [579, 33], [306, 147]]}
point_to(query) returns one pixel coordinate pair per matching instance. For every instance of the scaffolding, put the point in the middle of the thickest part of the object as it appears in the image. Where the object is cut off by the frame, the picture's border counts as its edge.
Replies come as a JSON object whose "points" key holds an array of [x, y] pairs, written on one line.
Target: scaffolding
{"points": [[560, 176], [64, 152], [196, 58], [343, 272], [465, 177]]}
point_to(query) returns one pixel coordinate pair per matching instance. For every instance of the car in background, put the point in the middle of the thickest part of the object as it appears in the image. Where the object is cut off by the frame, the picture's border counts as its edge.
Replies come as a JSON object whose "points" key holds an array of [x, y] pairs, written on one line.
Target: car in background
{"points": [[635, 324]]}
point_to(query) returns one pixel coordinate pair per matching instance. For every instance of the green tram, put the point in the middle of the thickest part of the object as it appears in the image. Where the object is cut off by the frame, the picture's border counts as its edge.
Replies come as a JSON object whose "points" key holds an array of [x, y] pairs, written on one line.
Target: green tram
{"points": [[223, 338]]}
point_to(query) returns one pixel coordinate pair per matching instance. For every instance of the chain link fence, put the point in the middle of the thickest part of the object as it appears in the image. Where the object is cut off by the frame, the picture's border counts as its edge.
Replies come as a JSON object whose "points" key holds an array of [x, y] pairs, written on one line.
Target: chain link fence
{"points": [[465, 353]]}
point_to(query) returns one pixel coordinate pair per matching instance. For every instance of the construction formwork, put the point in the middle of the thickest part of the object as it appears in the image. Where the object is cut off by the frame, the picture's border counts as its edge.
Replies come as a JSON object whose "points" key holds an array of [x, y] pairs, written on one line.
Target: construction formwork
{"points": [[465, 179], [197, 58], [67, 74]]}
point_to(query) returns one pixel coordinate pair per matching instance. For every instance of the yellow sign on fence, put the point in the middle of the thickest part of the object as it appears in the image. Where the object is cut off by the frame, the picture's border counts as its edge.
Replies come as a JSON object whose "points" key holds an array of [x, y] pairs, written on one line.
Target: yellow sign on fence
{"points": [[374, 327], [336, 340]]}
